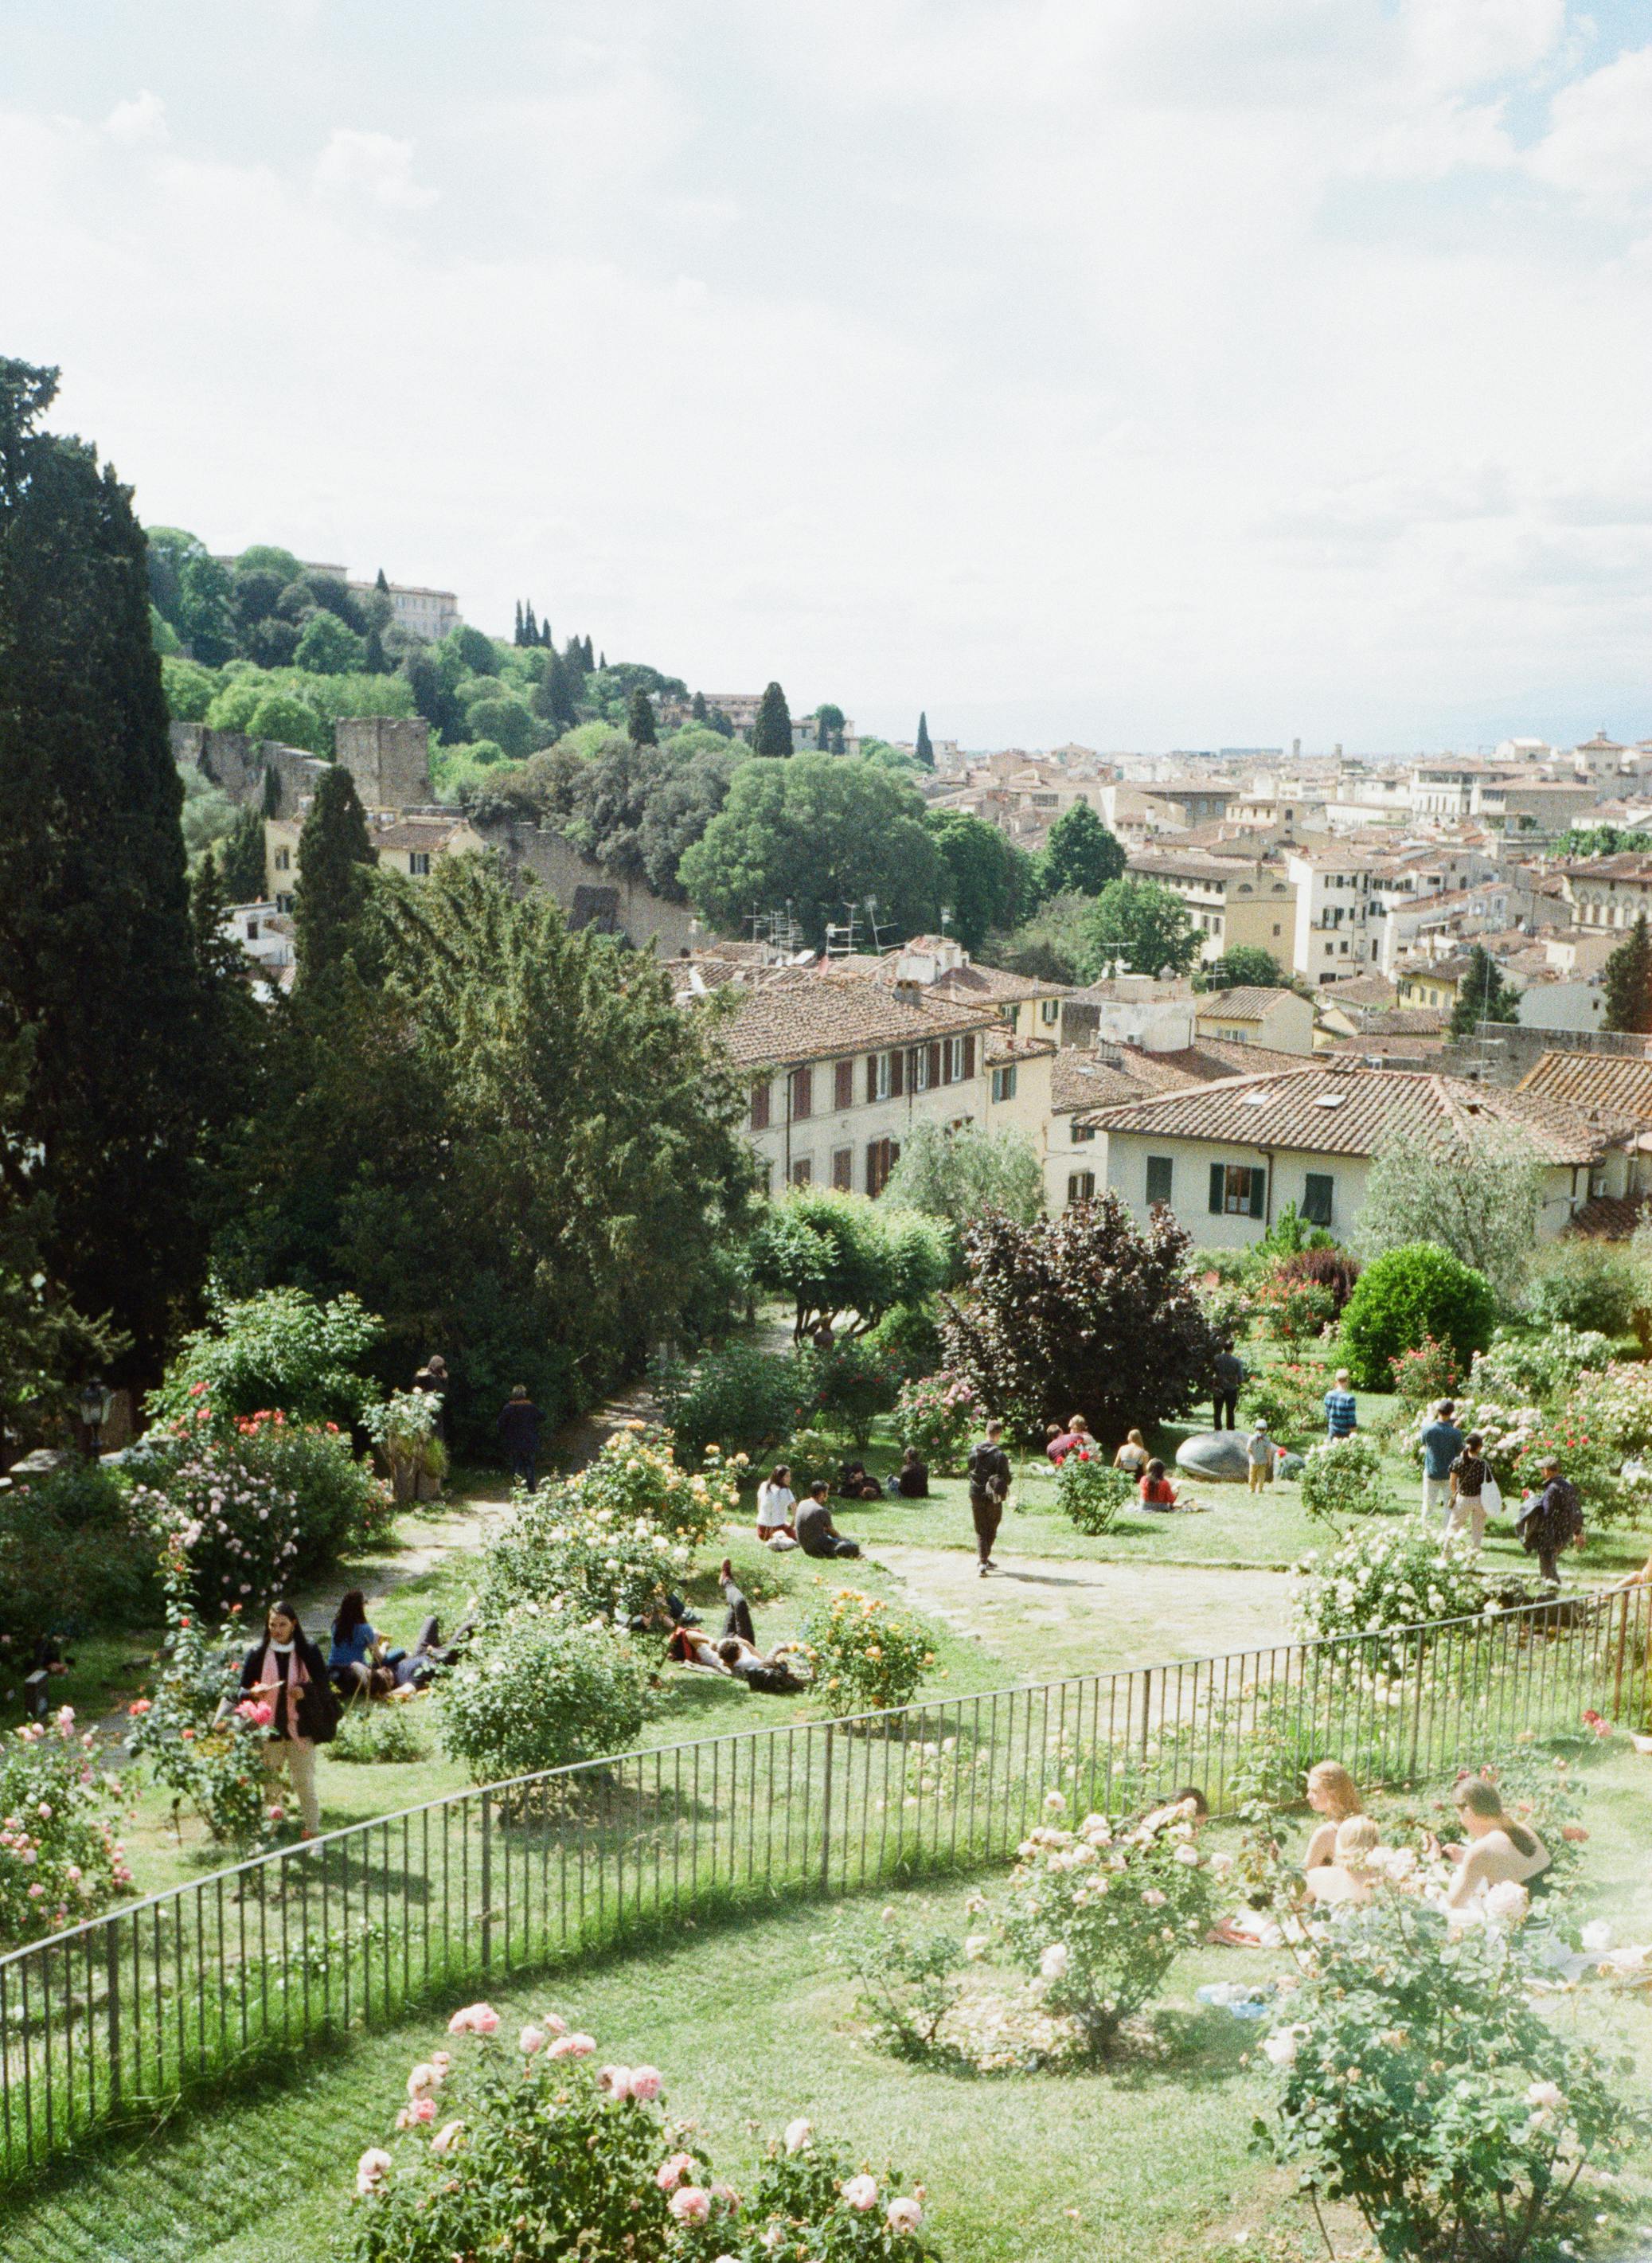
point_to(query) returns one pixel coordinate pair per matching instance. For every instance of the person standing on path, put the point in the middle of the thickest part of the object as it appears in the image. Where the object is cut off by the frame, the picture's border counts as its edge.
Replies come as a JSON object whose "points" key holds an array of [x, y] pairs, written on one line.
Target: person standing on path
{"points": [[433, 1377], [1469, 1477], [989, 1488], [1441, 1441], [1258, 1455], [1229, 1382], [1342, 1415], [285, 1672], [519, 1421], [1550, 1520]]}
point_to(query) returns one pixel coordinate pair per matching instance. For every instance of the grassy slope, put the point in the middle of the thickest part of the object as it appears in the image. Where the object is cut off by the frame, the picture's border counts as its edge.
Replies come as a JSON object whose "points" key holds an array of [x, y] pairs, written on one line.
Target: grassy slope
{"points": [[752, 2024]]}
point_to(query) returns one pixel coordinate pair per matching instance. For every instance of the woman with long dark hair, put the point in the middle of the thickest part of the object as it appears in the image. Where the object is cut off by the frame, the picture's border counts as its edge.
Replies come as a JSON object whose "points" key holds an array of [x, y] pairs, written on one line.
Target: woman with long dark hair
{"points": [[357, 1652], [284, 1671]]}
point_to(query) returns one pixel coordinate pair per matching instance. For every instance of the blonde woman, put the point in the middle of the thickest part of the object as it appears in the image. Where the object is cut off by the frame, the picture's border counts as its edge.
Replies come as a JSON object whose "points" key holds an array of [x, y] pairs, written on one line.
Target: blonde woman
{"points": [[1334, 1796], [1347, 1876], [1132, 1455]]}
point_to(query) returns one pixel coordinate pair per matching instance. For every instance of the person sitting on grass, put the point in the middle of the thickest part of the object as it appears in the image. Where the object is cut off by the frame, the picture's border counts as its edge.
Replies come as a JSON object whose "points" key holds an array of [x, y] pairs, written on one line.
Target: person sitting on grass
{"points": [[1156, 1491], [912, 1480], [816, 1534], [1348, 1875], [1333, 1796], [1495, 1847], [856, 1485], [775, 1501], [357, 1664], [1188, 1805], [1075, 1439], [1132, 1455]]}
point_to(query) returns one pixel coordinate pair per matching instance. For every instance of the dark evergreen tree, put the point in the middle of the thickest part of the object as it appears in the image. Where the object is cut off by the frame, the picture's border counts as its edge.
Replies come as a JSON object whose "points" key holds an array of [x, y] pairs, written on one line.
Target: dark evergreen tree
{"points": [[374, 660], [602, 661], [837, 742], [517, 633], [921, 749], [271, 791], [573, 656], [241, 862], [697, 707], [97, 970], [1081, 855], [530, 625], [553, 694], [640, 720], [380, 584], [589, 661], [828, 725], [335, 854], [771, 733], [1628, 976], [545, 636], [1483, 994]]}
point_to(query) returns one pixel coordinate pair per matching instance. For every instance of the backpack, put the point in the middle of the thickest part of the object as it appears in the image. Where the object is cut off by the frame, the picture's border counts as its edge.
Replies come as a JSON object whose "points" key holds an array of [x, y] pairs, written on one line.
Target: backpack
{"points": [[985, 1471]]}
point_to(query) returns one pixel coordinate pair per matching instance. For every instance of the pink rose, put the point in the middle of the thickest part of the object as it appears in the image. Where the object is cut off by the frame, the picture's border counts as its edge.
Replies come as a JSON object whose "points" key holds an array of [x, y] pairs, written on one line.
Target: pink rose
{"points": [[446, 2138], [616, 2080], [669, 2174], [647, 2082], [575, 2046], [861, 2191], [690, 2205], [530, 2040], [904, 2215], [373, 2167]]}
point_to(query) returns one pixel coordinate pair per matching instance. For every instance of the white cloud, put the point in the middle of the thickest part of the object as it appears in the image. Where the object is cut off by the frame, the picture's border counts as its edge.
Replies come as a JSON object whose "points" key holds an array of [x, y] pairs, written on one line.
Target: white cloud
{"points": [[1599, 144], [141, 119], [375, 166]]}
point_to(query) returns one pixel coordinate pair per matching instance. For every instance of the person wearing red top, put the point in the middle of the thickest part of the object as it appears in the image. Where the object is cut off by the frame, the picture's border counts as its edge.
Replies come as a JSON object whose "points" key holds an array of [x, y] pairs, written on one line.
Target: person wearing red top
{"points": [[1074, 1439], [1157, 1489]]}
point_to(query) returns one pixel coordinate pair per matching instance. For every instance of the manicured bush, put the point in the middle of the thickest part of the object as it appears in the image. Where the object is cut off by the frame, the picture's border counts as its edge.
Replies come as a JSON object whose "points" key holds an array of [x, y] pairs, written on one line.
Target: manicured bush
{"points": [[734, 1395], [1430, 1370], [1377, 1581], [1577, 1283], [937, 1414], [911, 1336], [76, 1552], [637, 1479], [540, 1690], [280, 1348], [61, 1859], [1101, 1914], [1409, 1293], [1342, 1479], [868, 1656], [1092, 1491], [1420, 2083]]}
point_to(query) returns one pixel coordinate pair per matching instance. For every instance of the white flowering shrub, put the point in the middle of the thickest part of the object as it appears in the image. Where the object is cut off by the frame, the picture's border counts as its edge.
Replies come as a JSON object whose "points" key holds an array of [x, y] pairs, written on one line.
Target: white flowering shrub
{"points": [[534, 2149], [638, 1476], [594, 1562], [1342, 1479], [1375, 1582], [1521, 1369], [1100, 1914], [1418, 2083], [540, 1689]]}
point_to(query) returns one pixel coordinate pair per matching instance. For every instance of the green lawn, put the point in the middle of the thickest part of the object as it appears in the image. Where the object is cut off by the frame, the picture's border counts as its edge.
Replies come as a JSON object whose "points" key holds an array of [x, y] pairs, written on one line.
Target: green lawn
{"points": [[752, 2023]]}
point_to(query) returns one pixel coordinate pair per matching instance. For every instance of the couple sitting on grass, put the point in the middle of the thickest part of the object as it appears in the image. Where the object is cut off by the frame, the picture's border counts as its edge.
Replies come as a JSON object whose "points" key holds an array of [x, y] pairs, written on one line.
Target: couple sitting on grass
{"points": [[782, 1671]]}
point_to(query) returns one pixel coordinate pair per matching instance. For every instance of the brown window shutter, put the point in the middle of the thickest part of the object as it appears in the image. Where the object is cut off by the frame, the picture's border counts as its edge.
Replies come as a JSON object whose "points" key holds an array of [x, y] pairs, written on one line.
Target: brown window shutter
{"points": [[872, 1076], [844, 1093], [897, 1068], [759, 1105], [935, 1065], [802, 1091], [969, 1056]]}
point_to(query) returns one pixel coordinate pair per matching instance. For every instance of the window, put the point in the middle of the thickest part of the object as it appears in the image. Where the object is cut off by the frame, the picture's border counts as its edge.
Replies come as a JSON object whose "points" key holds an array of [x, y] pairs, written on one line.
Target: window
{"points": [[1080, 1186], [1318, 1189], [419, 862], [1081, 1132], [1049, 1011], [882, 1155], [1276, 926], [843, 1168], [802, 1172], [877, 1076], [284, 903], [802, 1083], [284, 860], [1236, 1190], [761, 1094], [1004, 1083], [1159, 1174], [952, 1070], [921, 1069], [843, 1085]]}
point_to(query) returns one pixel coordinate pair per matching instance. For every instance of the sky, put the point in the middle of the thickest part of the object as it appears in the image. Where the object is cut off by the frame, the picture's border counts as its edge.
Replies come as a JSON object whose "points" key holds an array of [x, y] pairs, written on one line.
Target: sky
{"points": [[1153, 373]]}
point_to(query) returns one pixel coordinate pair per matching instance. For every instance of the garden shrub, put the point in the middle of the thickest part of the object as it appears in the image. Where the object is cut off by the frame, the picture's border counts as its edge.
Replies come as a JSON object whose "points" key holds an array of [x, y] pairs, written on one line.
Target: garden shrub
{"points": [[834, 1253], [1430, 1370], [811, 1453], [937, 1414], [1542, 1789], [1092, 1493], [1537, 1368], [1605, 1420], [1342, 1478], [1406, 1294], [734, 1395], [1288, 1396], [281, 1348], [1378, 1581], [1419, 2084], [214, 1767], [77, 1552], [60, 1860], [1101, 1914], [595, 1564], [1578, 1282], [909, 1984], [541, 1689], [536, 2150], [852, 1384], [1331, 1268], [868, 1657], [1290, 1311], [378, 1736], [637, 1479], [911, 1336]]}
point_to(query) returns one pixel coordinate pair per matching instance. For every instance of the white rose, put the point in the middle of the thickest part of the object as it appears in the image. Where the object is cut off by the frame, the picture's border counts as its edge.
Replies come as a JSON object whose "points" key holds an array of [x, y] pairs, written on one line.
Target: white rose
{"points": [[1597, 1937], [1280, 2048], [1544, 2096], [1053, 1963]]}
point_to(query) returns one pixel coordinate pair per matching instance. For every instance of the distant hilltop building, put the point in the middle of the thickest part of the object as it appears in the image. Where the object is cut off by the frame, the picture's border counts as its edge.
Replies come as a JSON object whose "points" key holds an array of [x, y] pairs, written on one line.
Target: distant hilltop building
{"points": [[414, 610]]}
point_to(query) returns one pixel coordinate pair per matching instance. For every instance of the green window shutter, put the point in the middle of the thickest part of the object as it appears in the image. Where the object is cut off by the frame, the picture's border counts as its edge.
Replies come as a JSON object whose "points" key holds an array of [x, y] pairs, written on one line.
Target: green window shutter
{"points": [[1258, 1187], [1218, 1179]]}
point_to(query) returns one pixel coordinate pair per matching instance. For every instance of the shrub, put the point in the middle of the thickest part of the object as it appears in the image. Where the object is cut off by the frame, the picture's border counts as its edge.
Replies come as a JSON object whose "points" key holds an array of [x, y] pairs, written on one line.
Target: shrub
{"points": [[937, 1414], [540, 1690], [215, 1768], [1288, 1397], [1605, 1421], [1091, 1492], [852, 1384], [1538, 1367], [813, 1453], [911, 1336], [280, 1348], [909, 1984], [1332, 1268], [868, 1657], [594, 1563], [1343, 1478], [1376, 1581], [1100, 1915], [1290, 1310], [378, 1736], [1419, 2082], [1582, 1283], [1430, 1370], [404, 1430], [60, 1859], [1409, 1293], [736, 1395], [637, 1477], [76, 1552]]}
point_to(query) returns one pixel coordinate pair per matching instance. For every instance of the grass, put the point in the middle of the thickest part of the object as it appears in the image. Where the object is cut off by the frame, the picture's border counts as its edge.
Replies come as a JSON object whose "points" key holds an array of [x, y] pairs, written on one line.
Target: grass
{"points": [[753, 2022]]}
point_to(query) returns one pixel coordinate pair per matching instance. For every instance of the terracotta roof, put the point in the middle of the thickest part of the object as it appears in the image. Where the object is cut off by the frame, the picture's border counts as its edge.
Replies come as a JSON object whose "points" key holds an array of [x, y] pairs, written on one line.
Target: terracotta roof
{"points": [[431, 833], [1339, 1109], [1115, 1074], [1359, 990], [1211, 1058], [1245, 1002], [1610, 1085], [1609, 1217], [1629, 864], [1397, 1021], [806, 1016]]}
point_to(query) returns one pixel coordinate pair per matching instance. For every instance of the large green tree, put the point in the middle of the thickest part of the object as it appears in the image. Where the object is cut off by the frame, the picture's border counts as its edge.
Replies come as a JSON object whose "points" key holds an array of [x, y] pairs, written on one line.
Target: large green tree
{"points": [[1081, 855], [194, 593], [1246, 966], [1140, 926], [986, 875], [1628, 976], [97, 966], [771, 733], [1483, 994], [335, 859], [820, 833]]}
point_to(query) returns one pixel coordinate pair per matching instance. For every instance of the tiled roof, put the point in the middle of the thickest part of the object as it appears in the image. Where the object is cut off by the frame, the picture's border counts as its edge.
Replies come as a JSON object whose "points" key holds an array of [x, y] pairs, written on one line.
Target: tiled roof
{"points": [[1211, 1058], [1397, 1021], [1245, 1002], [431, 833], [805, 1016], [1614, 1085], [1630, 865], [984, 986], [1089, 1080], [1341, 1109], [1359, 990], [1610, 1217]]}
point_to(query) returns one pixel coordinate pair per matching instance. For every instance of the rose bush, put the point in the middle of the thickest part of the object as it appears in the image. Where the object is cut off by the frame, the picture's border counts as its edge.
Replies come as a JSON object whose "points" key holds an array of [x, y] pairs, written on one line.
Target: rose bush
{"points": [[213, 1767], [735, 1394], [278, 1348], [1289, 1398], [1101, 1912], [61, 1859], [1376, 1582], [1290, 1310], [1429, 1370], [1092, 1491], [1342, 1479], [868, 1657], [593, 1562], [540, 1689], [1537, 1368], [937, 1414], [638, 1476]]}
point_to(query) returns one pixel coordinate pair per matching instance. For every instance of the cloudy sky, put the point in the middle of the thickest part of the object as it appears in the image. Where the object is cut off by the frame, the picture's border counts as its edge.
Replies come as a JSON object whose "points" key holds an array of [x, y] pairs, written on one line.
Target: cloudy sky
{"points": [[1155, 373]]}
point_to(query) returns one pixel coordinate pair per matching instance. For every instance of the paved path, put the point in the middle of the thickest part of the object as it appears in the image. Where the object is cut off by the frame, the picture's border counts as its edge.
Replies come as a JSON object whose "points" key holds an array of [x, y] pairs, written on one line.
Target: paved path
{"points": [[1059, 1615]]}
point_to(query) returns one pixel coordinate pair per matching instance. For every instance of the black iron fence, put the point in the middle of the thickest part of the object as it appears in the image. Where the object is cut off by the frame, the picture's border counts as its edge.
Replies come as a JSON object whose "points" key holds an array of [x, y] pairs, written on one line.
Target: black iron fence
{"points": [[103, 2024]]}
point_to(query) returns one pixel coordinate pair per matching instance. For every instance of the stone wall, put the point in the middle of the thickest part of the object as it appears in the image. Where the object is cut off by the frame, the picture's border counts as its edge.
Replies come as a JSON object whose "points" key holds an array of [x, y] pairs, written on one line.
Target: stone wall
{"points": [[1501, 1052], [388, 756], [587, 892], [236, 764]]}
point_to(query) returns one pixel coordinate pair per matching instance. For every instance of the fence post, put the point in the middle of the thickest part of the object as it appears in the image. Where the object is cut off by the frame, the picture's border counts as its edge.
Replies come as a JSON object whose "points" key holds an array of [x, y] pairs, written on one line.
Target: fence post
{"points": [[112, 1965], [487, 1884], [825, 1818], [1623, 1643]]}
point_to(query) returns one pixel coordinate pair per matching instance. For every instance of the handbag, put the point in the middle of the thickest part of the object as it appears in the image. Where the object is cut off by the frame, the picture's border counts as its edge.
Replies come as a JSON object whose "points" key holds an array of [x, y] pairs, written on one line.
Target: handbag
{"points": [[1491, 1497]]}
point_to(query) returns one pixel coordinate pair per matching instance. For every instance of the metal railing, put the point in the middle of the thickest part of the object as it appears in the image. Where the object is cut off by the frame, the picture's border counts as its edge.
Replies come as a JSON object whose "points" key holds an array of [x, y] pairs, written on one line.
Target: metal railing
{"points": [[217, 1978]]}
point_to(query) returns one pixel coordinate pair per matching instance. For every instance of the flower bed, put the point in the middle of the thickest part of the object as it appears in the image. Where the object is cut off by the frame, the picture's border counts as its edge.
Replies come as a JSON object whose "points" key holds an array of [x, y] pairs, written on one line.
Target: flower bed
{"points": [[637, 1477]]}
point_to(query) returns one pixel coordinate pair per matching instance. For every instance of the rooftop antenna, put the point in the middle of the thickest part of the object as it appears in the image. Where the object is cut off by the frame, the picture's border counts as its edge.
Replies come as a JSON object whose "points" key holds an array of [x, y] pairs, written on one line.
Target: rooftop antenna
{"points": [[878, 932], [843, 936]]}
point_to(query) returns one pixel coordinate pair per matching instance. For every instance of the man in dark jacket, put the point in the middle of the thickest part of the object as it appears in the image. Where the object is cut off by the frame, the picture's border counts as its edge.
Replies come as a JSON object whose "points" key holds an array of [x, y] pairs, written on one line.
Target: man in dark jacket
{"points": [[989, 1488], [1229, 1379], [519, 1421]]}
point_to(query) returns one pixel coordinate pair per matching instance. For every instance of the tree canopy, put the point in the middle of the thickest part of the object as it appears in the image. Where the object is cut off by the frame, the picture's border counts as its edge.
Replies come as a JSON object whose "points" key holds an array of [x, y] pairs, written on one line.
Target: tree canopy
{"points": [[1483, 994], [1245, 966], [771, 732], [960, 1175], [1081, 855], [1627, 978], [1481, 1202], [986, 877], [834, 1253], [1140, 927], [336, 857]]}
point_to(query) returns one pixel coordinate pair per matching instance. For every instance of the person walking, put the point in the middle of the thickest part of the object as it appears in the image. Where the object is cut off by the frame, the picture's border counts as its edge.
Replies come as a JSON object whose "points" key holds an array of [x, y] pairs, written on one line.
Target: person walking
{"points": [[1550, 1519], [989, 1489], [1229, 1382], [433, 1377], [284, 1671], [1258, 1455], [1342, 1414], [1470, 1475], [519, 1421], [1441, 1441]]}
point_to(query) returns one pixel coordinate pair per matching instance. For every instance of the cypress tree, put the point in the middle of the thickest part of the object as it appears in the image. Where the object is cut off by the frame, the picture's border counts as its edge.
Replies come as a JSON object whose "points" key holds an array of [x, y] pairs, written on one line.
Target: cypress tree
{"points": [[516, 636], [1628, 976], [1482, 996], [573, 656], [589, 662], [97, 968], [335, 854], [374, 660], [380, 584], [601, 658], [553, 694], [640, 720], [529, 626], [241, 865], [697, 707], [921, 749], [771, 733], [271, 791]]}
